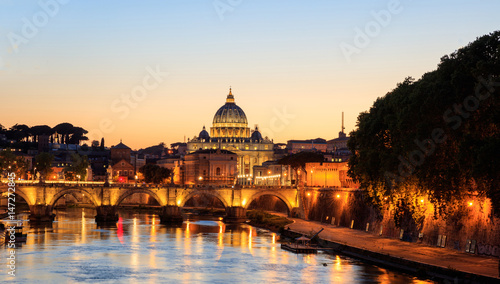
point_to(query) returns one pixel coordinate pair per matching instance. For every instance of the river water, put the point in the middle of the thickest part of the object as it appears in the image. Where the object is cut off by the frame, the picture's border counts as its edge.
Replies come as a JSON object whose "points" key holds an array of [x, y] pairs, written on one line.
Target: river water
{"points": [[140, 250]]}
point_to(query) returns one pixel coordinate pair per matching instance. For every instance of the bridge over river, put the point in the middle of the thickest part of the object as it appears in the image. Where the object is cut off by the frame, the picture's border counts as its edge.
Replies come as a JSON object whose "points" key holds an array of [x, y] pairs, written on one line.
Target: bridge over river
{"points": [[42, 197]]}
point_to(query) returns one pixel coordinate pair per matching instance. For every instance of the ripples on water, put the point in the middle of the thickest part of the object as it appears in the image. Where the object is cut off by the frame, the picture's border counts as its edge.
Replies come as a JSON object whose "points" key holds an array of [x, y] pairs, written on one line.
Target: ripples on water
{"points": [[138, 249]]}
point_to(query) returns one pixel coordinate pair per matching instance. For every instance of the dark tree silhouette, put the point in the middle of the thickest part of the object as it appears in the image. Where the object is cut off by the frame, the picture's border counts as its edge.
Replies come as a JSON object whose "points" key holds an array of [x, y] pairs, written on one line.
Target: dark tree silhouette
{"points": [[154, 173], [438, 136]]}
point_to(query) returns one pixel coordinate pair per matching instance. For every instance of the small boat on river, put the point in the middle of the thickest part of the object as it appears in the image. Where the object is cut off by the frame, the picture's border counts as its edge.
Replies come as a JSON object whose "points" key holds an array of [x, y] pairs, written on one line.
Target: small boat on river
{"points": [[14, 234], [302, 245]]}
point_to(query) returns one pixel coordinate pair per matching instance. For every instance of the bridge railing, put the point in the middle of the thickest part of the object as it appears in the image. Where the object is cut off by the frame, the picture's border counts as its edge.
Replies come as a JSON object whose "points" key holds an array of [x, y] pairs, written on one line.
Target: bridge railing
{"points": [[201, 186]]}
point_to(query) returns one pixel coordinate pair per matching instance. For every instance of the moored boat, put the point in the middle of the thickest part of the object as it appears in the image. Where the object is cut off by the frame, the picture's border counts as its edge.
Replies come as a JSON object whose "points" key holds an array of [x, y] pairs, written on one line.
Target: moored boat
{"points": [[14, 234]]}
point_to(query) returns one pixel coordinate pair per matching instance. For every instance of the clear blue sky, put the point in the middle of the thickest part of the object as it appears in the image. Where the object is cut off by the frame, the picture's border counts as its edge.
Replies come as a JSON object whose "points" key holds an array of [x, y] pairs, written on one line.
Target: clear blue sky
{"points": [[82, 57]]}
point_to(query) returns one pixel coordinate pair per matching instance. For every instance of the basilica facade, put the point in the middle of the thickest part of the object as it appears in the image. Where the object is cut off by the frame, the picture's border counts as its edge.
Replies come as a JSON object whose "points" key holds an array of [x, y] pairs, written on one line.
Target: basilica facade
{"points": [[230, 132]]}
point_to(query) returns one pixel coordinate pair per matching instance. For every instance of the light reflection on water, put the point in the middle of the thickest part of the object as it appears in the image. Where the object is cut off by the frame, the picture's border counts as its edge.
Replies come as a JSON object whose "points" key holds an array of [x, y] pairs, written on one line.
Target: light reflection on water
{"points": [[139, 249]]}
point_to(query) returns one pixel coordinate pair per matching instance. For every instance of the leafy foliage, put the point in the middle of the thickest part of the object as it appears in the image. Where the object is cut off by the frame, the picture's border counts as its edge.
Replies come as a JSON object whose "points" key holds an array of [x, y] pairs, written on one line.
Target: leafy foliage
{"points": [[299, 160], [64, 133], [77, 168], [154, 173], [262, 218], [437, 137], [9, 162], [43, 164]]}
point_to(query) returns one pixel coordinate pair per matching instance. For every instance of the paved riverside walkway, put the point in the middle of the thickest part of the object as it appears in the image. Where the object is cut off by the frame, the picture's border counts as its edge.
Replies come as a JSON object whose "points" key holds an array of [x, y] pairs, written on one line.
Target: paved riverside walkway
{"points": [[439, 257]]}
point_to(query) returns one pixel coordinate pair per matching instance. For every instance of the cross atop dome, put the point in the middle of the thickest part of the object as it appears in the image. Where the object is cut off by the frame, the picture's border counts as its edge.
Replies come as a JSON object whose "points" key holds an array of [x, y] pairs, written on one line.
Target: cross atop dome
{"points": [[230, 97]]}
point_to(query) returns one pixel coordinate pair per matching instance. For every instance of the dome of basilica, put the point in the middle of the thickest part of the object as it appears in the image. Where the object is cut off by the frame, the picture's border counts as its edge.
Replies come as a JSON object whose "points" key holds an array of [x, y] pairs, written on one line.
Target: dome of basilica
{"points": [[230, 114], [204, 134], [256, 136]]}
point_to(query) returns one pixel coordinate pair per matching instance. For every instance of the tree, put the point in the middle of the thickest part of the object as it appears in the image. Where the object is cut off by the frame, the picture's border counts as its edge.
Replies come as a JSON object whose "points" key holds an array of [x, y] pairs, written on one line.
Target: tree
{"points": [[43, 164], [78, 167], [38, 130], [154, 173], [84, 147], [298, 161], [436, 137], [95, 144], [19, 132], [62, 132], [78, 135], [9, 163]]}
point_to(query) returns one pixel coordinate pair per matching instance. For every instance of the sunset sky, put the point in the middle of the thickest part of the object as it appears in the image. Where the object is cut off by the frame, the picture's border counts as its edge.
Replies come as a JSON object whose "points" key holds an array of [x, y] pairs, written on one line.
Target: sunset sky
{"points": [[157, 71]]}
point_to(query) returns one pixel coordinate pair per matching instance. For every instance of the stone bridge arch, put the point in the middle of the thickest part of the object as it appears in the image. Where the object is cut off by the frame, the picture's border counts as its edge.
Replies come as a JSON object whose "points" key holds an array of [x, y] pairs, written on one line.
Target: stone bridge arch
{"points": [[25, 196], [73, 190], [183, 199], [280, 196], [132, 191]]}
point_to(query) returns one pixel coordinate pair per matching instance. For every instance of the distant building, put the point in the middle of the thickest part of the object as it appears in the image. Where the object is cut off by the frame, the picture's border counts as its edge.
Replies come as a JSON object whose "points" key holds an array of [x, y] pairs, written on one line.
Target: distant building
{"points": [[279, 150], [338, 146], [99, 162], [339, 143], [121, 169], [138, 161], [296, 146], [214, 167], [230, 132], [120, 152], [43, 143], [273, 174], [329, 174]]}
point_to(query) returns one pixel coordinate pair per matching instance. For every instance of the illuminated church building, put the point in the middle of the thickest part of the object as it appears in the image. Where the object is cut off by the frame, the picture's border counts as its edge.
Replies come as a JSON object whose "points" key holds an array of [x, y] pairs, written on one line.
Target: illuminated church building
{"points": [[230, 132]]}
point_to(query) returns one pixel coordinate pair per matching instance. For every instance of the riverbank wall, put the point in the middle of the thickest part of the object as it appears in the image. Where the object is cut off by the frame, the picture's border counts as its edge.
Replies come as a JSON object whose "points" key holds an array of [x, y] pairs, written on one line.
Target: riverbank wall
{"points": [[469, 226]]}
